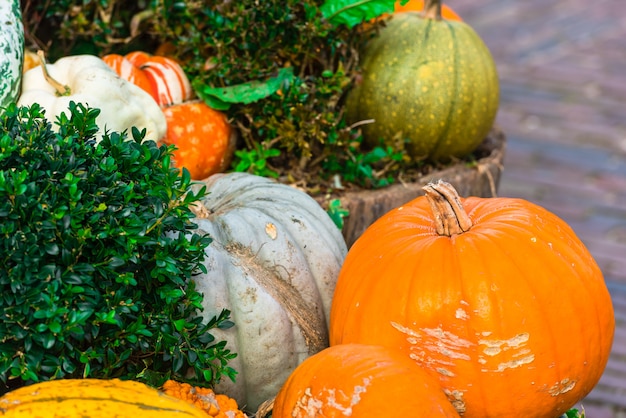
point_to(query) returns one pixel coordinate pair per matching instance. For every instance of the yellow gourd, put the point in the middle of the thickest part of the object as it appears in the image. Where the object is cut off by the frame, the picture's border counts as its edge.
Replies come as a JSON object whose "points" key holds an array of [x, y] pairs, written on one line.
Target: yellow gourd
{"points": [[95, 398]]}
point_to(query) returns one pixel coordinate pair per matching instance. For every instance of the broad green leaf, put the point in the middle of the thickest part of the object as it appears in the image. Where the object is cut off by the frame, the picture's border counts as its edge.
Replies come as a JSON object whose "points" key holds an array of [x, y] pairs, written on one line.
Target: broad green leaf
{"points": [[221, 98], [353, 12]]}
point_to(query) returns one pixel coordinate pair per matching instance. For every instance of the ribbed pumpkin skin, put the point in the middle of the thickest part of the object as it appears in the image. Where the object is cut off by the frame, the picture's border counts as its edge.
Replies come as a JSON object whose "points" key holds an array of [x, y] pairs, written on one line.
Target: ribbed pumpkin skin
{"points": [[93, 398], [433, 82], [361, 381], [512, 316], [273, 263]]}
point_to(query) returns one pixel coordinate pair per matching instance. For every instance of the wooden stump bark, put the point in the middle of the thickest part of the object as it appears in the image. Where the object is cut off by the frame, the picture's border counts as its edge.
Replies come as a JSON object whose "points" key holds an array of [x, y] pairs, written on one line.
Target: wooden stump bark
{"points": [[476, 179]]}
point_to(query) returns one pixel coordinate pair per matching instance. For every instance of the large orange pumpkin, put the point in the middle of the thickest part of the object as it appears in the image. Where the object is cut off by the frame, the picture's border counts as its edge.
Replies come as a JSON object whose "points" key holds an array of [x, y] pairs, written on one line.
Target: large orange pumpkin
{"points": [[204, 139], [360, 381], [496, 297]]}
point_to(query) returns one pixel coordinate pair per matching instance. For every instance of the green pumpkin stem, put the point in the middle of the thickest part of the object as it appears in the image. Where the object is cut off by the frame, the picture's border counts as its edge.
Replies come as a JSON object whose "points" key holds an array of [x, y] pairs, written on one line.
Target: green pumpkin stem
{"points": [[450, 217], [432, 9], [61, 89]]}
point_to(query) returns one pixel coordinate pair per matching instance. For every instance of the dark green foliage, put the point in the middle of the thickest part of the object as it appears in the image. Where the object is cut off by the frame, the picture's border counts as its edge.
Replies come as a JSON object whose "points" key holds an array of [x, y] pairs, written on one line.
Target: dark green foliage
{"points": [[226, 44], [70, 27], [97, 248], [235, 52]]}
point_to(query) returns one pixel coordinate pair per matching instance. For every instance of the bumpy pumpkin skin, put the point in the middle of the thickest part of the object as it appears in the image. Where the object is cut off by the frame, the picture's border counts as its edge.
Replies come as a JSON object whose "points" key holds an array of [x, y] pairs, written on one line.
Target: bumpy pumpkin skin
{"points": [[361, 381], [204, 139], [273, 263], [432, 83], [511, 316], [93, 398]]}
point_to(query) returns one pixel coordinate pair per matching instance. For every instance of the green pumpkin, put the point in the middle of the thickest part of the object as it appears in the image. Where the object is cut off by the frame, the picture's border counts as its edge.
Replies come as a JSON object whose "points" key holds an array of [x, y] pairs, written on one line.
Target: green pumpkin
{"points": [[428, 82]]}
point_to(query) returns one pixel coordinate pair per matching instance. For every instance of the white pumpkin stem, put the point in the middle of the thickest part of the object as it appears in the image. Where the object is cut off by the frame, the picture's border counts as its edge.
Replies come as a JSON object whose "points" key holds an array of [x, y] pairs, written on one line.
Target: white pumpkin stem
{"points": [[61, 89], [450, 217], [432, 9]]}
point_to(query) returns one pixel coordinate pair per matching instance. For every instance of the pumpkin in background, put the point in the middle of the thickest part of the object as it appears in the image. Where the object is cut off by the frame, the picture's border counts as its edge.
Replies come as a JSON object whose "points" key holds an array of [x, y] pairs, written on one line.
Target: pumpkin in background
{"points": [[428, 83], [361, 381], [496, 297], [273, 264], [31, 60], [204, 139], [418, 6], [94, 398], [167, 80]]}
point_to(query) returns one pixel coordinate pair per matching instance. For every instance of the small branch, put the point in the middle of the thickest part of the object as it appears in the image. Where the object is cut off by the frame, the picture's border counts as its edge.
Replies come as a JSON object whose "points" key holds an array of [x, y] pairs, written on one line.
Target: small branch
{"points": [[361, 122]]}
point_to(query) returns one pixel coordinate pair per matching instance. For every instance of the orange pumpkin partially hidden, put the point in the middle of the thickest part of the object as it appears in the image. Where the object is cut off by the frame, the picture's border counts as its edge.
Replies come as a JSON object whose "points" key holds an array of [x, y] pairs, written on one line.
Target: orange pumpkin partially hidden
{"points": [[418, 6], [361, 381], [204, 139]]}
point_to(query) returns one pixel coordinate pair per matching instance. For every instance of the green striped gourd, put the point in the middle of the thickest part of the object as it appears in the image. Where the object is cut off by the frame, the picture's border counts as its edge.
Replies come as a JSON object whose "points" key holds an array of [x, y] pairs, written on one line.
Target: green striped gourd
{"points": [[11, 51], [427, 81]]}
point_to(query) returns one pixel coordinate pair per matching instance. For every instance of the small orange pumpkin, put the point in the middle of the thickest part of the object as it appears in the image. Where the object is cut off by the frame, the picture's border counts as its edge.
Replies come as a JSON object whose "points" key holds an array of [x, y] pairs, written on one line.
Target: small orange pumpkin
{"points": [[495, 297], [360, 381], [204, 139], [167, 81]]}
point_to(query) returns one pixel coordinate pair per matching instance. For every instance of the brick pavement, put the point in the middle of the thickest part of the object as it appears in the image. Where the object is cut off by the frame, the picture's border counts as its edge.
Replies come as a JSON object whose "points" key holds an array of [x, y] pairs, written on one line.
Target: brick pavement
{"points": [[562, 66]]}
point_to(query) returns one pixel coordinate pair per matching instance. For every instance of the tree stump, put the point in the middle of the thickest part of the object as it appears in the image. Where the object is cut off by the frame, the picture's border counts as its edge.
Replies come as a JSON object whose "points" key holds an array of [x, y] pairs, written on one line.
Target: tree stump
{"points": [[469, 179]]}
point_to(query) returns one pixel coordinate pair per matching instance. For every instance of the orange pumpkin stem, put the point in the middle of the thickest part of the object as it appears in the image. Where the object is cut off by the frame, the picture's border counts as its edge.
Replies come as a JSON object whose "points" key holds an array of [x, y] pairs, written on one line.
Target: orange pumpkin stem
{"points": [[450, 217], [432, 9], [61, 89]]}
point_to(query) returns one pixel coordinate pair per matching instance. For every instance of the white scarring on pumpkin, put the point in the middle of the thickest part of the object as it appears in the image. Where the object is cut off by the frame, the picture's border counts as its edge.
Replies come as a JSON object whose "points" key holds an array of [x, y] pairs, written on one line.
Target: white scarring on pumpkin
{"points": [[273, 263]]}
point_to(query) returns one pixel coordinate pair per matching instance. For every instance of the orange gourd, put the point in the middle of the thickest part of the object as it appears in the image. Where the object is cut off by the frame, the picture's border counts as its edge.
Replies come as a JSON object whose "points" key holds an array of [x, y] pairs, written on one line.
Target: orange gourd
{"points": [[203, 137], [495, 297], [214, 405], [360, 381], [162, 77]]}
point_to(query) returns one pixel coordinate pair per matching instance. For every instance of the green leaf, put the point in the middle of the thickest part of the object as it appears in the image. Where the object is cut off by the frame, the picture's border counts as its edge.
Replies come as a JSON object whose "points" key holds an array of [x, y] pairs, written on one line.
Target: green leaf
{"points": [[337, 213], [354, 12], [221, 97], [574, 413], [55, 327]]}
